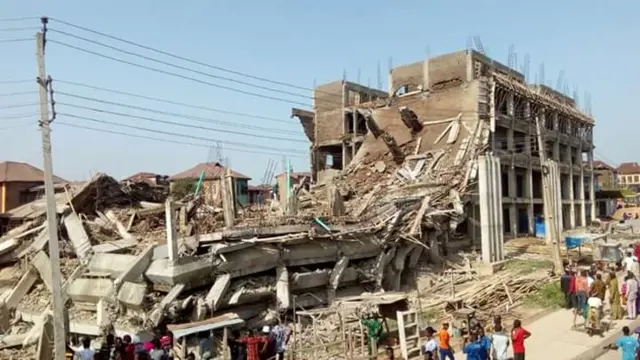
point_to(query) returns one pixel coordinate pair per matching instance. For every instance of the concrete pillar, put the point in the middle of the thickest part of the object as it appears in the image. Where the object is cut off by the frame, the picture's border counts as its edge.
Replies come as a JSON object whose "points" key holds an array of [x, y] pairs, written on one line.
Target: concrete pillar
{"points": [[592, 190], [583, 205], [283, 294], [513, 220], [337, 272], [572, 205], [172, 232], [218, 290], [528, 192], [490, 190]]}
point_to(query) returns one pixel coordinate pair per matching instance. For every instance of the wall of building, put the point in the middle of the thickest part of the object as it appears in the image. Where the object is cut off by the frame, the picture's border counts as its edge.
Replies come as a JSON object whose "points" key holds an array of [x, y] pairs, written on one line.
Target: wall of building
{"points": [[16, 194], [242, 191], [281, 180]]}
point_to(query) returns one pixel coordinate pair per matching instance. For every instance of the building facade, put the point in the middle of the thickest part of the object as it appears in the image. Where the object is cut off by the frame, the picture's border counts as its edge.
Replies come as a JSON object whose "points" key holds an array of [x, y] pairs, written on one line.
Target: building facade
{"points": [[481, 96], [20, 183], [211, 188], [629, 176]]}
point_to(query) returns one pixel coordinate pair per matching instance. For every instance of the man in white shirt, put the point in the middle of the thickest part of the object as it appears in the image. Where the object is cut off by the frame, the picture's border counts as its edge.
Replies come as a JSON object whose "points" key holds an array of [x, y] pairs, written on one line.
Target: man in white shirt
{"points": [[431, 344], [628, 261], [499, 344], [85, 352]]}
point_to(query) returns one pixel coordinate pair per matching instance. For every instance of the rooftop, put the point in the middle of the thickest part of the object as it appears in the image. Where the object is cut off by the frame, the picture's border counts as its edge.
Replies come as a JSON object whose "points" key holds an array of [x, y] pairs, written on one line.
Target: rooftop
{"points": [[13, 171], [212, 170], [629, 168]]}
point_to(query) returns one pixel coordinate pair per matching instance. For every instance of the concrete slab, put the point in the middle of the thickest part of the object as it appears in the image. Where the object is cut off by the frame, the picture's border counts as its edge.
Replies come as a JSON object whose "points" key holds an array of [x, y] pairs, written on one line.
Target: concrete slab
{"points": [[8, 245], [13, 298], [113, 264], [308, 280], [78, 235], [137, 267], [250, 261], [90, 290], [194, 271], [42, 263], [9, 276], [115, 246], [218, 290], [38, 244], [132, 295]]}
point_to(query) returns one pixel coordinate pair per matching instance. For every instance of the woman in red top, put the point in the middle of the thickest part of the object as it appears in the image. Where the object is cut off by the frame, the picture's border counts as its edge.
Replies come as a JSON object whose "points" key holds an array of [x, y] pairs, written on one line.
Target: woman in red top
{"points": [[518, 334]]}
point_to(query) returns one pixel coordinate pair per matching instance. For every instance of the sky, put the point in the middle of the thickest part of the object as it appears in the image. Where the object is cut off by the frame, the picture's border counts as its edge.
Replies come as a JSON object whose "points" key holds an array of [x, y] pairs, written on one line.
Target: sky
{"points": [[594, 44]]}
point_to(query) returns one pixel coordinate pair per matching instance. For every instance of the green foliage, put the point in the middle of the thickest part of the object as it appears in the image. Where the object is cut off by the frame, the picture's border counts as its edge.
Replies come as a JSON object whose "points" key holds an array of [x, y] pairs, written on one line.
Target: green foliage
{"points": [[182, 188], [550, 295]]}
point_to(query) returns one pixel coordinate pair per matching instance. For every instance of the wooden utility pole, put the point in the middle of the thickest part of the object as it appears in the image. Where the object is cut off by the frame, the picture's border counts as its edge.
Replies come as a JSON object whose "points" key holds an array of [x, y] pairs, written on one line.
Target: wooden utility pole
{"points": [[550, 222], [59, 331]]}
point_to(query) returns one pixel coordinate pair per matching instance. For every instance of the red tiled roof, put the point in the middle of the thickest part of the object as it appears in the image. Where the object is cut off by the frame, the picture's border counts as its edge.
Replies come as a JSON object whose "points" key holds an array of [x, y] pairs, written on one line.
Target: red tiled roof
{"points": [[601, 165], [12, 171], [211, 171], [629, 168]]}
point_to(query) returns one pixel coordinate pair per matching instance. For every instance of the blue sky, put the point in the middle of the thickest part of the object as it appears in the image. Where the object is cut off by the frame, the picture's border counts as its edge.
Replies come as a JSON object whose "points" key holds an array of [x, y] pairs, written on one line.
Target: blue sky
{"points": [[297, 42]]}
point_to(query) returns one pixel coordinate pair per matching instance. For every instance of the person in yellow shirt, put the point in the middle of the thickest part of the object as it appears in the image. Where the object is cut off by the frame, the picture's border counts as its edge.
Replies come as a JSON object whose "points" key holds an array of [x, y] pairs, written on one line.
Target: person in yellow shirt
{"points": [[444, 343]]}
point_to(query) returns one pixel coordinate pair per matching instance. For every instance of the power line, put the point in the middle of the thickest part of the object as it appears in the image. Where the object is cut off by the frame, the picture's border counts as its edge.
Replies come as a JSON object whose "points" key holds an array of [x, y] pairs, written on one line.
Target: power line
{"points": [[219, 68], [177, 75], [2, 41], [166, 140], [148, 58], [18, 106], [19, 19], [178, 124], [174, 102], [33, 28], [15, 127], [3, 82], [193, 137], [18, 116], [17, 93], [191, 117]]}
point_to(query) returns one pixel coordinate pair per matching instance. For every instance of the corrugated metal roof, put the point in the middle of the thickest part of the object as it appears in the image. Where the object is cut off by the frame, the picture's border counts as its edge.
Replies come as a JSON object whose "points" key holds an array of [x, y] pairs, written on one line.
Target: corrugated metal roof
{"points": [[212, 171], [12, 171]]}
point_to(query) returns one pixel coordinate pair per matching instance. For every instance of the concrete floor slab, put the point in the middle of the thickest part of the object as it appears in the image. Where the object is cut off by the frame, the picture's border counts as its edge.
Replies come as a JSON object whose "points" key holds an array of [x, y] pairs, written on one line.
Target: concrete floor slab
{"points": [[113, 264], [250, 261], [188, 270], [132, 295], [90, 290], [78, 235]]}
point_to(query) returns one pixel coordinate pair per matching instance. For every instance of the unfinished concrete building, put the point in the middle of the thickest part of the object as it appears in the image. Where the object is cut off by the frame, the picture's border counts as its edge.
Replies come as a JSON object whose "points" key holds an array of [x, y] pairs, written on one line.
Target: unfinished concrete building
{"points": [[478, 93]]}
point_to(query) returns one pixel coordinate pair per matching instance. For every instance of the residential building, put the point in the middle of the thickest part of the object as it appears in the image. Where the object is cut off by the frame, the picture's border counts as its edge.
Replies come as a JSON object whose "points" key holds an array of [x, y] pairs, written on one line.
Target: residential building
{"points": [[606, 188], [259, 194], [211, 188], [629, 176], [489, 102], [20, 183], [152, 179], [296, 179]]}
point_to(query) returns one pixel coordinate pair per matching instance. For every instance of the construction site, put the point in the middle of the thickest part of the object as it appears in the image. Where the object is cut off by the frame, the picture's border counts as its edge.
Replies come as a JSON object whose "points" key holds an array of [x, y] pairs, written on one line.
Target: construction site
{"points": [[411, 196]]}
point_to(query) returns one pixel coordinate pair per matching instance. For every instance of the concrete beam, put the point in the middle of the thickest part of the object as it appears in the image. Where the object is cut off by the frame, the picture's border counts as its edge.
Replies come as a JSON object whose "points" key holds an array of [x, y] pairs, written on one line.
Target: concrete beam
{"points": [[137, 267], [42, 263], [90, 290], [132, 295], [283, 294], [8, 245], [78, 236], [114, 264], [122, 230], [158, 313], [336, 273], [37, 245], [115, 246], [192, 271], [172, 231], [218, 290], [13, 298]]}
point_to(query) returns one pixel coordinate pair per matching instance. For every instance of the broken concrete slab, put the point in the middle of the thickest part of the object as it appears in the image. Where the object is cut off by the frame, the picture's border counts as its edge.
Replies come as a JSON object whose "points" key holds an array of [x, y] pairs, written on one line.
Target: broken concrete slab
{"points": [[250, 261], [137, 267], [8, 245], [13, 298], [115, 246], [158, 313], [218, 290], [113, 264], [78, 235], [132, 295], [42, 263], [122, 230], [90, 290], [194, 271], [37, 245]]}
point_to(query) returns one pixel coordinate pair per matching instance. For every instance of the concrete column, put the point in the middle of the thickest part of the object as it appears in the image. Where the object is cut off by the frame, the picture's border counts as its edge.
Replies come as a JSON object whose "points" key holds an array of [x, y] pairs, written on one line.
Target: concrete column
{"points": [[583, 206], [528, 192], [556, 142], [592, 190], [572, 207], [513, 220], [490, 190], [172, 232], [283, 294], [217, 291]]}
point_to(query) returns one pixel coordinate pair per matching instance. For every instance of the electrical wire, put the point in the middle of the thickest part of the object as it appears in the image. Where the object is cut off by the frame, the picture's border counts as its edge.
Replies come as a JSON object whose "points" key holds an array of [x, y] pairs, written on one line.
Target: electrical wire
{"points": [[171, 141], [3, 82], [15, 127], [160, 100], [17, 93], [18, 106], [197, 127], [191, 117], [219, 68], [193, 137], [3, 41], [19, 19], [148, 58], [19, 116], [177, 75], [33, 28]]}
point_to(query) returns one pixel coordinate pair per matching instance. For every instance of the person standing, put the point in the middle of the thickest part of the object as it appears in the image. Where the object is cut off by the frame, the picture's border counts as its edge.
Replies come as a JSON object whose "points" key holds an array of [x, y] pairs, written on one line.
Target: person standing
{"points": [[85, 352], [614, 297], [430, 346], [599, 288], [444, 343], [281, 336], [518, 336], [499, 344], [627, 262], [236, 349], [565, 281], [635, 268], [253, 344], [627, 344], [474, 349], [582, 289], [631, 294]]}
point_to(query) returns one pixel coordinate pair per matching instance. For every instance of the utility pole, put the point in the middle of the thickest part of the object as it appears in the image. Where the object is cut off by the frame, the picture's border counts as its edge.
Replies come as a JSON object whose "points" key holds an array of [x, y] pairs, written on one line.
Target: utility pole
{"points": [[550, 222], [59, 331]]}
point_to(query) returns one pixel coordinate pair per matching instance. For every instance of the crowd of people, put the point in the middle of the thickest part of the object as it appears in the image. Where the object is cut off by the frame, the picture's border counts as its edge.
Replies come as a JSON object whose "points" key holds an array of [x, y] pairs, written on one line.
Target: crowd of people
{"points": [[270, 344], [125, 348], [477, 344]]}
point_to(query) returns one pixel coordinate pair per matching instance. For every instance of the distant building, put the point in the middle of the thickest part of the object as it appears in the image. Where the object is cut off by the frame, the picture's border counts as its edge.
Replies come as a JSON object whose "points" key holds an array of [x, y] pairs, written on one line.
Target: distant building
{"points": [[20, 183], [259, 194], [211, 189], [606, 188], [296, 178], [629, 176], [152, 179]]}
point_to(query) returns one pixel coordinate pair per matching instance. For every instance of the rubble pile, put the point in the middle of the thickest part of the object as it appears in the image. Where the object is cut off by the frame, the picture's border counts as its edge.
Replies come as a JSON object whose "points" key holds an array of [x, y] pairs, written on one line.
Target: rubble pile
{"points": [[135, 259]]}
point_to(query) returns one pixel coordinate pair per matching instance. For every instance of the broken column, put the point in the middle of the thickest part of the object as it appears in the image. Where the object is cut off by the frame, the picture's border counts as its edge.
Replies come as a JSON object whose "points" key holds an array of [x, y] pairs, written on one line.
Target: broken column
{"points": [[217, 291], [78, 236], [283, 293], [490, 190], [172, 232], [336, 277], [410, 119], [228, 200]]}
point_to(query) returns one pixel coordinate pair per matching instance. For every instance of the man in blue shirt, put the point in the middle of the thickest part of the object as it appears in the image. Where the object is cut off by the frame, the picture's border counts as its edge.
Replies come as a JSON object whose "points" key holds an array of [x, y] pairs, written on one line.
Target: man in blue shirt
{"points": [[475, 349], [627, 343]]}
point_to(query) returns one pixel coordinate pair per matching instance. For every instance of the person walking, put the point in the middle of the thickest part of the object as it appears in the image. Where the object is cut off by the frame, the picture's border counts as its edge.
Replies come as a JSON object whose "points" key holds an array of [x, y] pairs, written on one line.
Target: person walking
{"points": [[518, 336], [499, 344], [582, 289], [565, 281], [444, 345], [599, 288], [431, 345], [627, 343], [631, 294], [614, 297]]}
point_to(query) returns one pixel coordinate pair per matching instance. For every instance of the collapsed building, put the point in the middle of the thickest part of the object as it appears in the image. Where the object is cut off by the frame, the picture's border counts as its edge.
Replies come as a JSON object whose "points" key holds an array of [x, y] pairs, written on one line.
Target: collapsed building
{"points": [[395, 175]]}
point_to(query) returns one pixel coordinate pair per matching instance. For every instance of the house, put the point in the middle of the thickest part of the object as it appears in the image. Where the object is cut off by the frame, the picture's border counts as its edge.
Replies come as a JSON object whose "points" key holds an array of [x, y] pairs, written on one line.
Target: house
{"points": [[606, 188], [258, 194], [211, 190], [296, 178], [20, 183], [629, 176], [152, 179]]}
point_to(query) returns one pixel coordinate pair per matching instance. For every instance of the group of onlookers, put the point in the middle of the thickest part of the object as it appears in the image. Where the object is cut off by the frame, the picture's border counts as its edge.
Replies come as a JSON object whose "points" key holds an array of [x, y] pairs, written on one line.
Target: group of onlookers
{"points": [[477, 344], [125, 348], [270, 344]]}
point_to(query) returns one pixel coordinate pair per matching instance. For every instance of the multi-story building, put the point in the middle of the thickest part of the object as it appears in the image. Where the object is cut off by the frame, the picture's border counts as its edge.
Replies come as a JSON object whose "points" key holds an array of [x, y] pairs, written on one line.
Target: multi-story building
{"points": [[629, 176], [606, 187], [486, 97]]}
